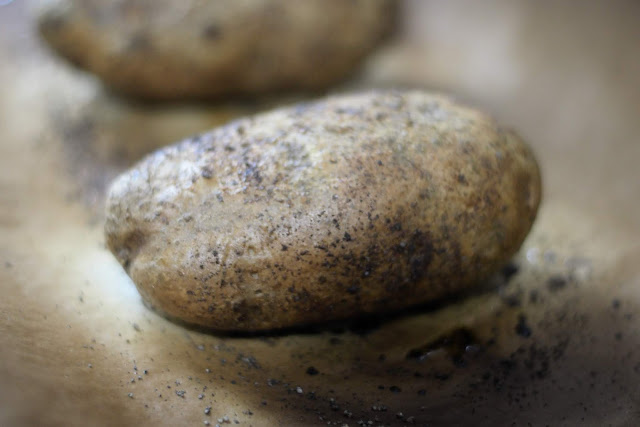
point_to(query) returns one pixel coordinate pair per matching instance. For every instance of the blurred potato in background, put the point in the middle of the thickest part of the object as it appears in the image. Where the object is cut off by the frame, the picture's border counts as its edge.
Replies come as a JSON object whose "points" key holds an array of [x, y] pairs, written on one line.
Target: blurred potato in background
{"points": [[198, 49]]}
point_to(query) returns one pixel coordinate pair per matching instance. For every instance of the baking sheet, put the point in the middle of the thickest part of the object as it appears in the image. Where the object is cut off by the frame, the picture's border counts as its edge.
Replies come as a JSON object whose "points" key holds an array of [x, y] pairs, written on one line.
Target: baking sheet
{"points": [[552, 340]]}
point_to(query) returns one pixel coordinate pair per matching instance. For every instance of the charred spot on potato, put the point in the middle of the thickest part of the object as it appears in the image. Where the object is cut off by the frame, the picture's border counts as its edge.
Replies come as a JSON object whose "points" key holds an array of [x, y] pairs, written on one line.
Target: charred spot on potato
{"points": [[212, 32], [139, 42]]}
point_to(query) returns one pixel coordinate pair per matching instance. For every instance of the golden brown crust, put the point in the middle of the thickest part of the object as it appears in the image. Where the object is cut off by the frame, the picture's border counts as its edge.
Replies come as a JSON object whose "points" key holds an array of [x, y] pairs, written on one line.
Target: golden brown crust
{"points": [[161, 49], [354, 204]]}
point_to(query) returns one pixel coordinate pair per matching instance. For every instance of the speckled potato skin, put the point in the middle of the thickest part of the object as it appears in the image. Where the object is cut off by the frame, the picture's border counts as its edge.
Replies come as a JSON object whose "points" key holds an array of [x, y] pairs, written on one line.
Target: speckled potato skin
{"points": [[166, 49], [353, 204]]}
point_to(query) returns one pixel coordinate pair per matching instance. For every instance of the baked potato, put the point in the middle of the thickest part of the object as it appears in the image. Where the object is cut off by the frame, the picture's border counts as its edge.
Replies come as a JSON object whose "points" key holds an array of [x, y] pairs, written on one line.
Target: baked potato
{"points": [[353, 204]]}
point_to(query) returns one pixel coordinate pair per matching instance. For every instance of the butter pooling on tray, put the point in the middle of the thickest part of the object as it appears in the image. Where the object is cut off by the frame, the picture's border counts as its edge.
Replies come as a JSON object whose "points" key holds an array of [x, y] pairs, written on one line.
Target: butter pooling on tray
{"points": [[349, 205]]}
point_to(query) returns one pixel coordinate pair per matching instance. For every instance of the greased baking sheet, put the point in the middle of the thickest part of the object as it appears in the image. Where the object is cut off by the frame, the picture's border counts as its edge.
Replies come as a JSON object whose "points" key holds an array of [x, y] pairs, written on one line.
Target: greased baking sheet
{"points": [[551, 340]]}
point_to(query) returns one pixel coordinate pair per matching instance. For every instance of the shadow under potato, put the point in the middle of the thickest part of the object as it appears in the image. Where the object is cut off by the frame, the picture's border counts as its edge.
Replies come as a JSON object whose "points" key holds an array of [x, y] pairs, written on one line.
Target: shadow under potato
{"points": [[365, 323], [512, 366]]}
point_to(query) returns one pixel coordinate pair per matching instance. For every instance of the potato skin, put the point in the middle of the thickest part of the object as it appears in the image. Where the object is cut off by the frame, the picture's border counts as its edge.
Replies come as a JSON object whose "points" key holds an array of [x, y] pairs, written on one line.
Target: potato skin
{"points": [[354, 204], [173, 50]]}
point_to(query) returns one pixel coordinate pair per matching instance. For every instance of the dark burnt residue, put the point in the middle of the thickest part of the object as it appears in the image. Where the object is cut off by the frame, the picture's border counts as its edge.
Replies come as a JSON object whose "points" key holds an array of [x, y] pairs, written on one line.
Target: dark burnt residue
{"points": [[556, 283], [212, 32], [510, 270], [455, 343], [522, 328], [139, 42]]}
